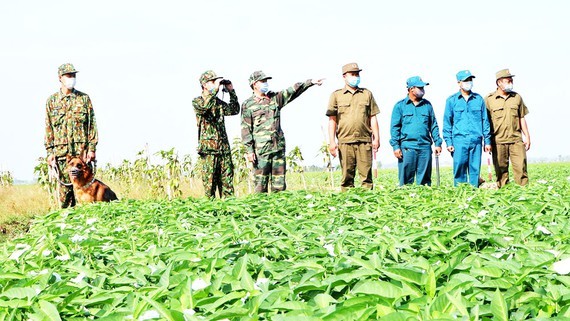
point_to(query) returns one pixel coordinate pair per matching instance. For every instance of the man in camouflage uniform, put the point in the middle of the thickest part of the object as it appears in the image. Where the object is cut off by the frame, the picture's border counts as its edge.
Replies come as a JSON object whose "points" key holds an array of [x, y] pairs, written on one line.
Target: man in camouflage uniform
{"points": [[261, 130], [70, 129], [213, 145]]}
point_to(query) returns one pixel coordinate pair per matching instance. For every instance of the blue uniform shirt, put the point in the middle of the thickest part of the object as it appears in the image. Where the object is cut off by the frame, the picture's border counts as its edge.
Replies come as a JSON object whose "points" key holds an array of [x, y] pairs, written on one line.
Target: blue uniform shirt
{"points": [[466, 121], [414, 126]]}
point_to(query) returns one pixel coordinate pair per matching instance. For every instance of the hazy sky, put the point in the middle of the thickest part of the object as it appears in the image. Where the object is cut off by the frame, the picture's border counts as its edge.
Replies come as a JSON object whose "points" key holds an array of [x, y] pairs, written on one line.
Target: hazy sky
{"points": [[140, 62]]}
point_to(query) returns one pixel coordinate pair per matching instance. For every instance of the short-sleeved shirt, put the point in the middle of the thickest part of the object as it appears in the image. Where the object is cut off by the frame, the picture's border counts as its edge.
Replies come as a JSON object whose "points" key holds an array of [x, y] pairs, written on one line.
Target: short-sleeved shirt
{"points": [[505, 114], [353, 112]]}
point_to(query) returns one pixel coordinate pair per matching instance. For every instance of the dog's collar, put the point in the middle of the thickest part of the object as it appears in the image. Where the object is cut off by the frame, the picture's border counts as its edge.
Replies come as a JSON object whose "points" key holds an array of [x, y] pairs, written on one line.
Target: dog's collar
{"points": [[89, 184]]}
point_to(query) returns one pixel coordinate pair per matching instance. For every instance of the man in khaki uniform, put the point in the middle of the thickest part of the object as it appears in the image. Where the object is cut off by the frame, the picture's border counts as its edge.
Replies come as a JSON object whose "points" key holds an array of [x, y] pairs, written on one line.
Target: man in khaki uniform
{"points": [[352, 120], [507, 113]]}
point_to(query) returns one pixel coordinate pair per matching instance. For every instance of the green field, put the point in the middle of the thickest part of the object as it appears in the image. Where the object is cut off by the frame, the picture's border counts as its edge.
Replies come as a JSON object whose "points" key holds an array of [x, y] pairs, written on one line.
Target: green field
{"points": [[411, 253]]}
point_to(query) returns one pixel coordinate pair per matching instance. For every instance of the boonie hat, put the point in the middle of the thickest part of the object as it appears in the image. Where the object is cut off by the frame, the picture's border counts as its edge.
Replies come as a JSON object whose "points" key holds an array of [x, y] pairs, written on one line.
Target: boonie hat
{"points": [[504, 73], [66, 68], [463, 75], [207, 76], [351, 67], [415, 81], [257, 76]]}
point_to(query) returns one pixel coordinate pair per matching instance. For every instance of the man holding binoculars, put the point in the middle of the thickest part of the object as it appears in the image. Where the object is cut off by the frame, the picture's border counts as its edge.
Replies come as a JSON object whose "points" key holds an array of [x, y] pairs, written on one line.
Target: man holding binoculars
{"points": [[213, 144]]}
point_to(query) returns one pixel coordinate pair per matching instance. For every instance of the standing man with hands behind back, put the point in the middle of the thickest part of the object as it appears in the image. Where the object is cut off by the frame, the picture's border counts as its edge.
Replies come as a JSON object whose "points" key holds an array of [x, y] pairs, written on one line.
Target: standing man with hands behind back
{"points": [[352, 119], [213, 144], [70, 130]]}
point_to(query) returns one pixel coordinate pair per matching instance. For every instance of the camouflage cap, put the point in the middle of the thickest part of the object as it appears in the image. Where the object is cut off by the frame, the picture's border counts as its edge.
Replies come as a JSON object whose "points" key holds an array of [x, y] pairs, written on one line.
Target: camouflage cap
{"points": [[504, 73], [207, 76], [351, 67], [257, 76], [66, 69]]}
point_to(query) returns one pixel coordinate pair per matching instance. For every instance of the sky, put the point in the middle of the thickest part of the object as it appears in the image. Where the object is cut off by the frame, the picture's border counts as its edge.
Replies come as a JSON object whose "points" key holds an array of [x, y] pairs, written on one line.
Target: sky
{"points": [[140, 62]]}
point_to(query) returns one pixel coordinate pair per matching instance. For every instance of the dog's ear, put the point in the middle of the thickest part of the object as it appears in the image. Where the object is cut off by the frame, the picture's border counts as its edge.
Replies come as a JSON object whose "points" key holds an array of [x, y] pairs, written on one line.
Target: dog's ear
{"points": [[68, 158]]}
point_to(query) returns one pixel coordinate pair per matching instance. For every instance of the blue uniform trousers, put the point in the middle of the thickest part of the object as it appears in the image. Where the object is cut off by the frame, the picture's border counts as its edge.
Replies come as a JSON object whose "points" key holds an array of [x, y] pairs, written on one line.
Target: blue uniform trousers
{"points": [[466, 162], [415, 163]]}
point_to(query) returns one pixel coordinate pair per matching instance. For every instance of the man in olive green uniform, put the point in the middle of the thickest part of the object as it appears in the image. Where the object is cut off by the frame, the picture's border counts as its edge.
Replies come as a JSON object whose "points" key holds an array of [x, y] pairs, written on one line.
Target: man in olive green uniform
{"points": [[510, 138], [70, 129], [213, 145], [352, 114], [261, 130]]}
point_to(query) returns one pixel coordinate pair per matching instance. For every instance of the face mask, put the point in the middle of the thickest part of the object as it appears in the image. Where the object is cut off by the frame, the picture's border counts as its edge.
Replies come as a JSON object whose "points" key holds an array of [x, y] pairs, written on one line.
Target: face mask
{"points": [[264, 87], [353, 81], [508, 87], [419, 93], [467, 85], [69, 83]]}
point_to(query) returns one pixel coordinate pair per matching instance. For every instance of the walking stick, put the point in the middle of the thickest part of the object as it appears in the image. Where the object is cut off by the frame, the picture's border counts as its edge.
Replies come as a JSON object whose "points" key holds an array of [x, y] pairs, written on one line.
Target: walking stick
{"points": [[437, 168], [374, 166]]}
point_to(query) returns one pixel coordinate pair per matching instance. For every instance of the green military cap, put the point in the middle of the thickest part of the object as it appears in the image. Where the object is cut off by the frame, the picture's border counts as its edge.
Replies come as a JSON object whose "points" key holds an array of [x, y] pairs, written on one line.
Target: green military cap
{"points": [[257, 76], [351, 67], [66, 69], [504, 73], [207, 76]]}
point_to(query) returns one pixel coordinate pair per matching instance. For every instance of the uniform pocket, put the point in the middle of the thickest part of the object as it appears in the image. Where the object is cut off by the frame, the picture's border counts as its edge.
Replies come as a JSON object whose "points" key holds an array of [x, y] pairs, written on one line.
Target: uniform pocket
{"points": [[407, 118], [343, 109]]}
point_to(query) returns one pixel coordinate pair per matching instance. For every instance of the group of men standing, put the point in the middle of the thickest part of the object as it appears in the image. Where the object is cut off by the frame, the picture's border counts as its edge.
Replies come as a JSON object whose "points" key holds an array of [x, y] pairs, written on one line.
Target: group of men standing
{"points": [[496, 122]]}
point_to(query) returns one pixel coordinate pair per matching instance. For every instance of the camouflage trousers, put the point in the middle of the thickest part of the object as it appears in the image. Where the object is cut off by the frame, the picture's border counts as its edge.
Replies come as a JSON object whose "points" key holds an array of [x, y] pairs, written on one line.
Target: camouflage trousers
{"points": [[217, 174], [270, 166], [66, 196]]}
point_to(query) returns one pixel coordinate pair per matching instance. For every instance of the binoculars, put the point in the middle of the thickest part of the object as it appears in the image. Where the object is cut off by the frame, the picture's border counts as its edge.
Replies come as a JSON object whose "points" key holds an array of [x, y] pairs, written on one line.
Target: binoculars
{"points": [[225, 82]]}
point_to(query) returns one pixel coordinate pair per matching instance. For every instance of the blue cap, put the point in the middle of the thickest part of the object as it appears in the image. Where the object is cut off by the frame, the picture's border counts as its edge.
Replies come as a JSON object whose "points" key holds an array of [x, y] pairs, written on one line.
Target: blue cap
{"points": [[463, 75], [415, 81]]}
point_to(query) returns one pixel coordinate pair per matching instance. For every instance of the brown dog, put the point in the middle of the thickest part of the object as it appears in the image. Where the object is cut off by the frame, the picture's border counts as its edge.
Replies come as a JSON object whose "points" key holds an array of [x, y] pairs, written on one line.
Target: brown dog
{"points": [[86, 188]]}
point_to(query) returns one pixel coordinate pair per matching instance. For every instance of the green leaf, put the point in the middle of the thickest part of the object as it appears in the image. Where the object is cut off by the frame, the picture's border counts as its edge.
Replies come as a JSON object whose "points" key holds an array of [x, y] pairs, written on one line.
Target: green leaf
{"points": [[499, 307], [49, 311], [379, 288]]}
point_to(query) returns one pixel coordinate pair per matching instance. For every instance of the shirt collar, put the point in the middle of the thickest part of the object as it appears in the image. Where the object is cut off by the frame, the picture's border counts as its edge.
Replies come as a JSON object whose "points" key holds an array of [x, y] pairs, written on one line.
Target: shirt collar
{"points": [[346, 90], [458, 95], [409, 101], [497, 95], [61, 95]]}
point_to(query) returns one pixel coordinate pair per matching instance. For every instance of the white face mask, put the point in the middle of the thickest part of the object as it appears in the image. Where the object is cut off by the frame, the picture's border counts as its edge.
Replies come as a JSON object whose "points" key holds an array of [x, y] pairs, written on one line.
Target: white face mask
{"points": [[507, 87], [466, 85], [68, 82]]}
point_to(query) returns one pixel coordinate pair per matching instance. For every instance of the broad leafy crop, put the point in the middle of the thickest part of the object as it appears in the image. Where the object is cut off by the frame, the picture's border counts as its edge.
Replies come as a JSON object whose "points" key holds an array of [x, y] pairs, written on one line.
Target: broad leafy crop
{"points": [[412, 253]]}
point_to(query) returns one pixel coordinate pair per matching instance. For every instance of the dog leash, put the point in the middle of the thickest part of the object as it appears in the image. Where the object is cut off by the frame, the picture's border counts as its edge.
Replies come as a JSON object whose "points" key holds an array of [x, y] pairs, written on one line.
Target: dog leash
{"points": [[56, 170]]}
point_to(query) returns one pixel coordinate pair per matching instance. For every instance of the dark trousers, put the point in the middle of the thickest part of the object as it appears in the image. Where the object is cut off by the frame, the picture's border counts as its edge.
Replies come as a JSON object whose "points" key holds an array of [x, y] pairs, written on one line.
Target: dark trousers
{"points": [[466, 163], [415, 163]]}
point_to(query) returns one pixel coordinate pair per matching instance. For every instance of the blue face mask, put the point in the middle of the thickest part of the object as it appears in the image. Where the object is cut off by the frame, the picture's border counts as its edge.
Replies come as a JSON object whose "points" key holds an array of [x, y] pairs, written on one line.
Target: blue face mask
{"points": [[264, 87], [353, 81]]}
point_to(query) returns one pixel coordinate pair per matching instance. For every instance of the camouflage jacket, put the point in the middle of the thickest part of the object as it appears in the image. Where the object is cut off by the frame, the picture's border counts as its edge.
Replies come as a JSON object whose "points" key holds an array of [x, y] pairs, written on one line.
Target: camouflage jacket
{"points": [[70, 124], [210, 112], [261, 119]]}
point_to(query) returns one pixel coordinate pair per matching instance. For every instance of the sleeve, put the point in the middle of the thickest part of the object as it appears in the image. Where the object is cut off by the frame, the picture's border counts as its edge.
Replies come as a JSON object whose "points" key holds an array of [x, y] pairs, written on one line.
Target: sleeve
{"points": [[247, 129], [233, 107], [49, 136], [523, 109], [396, 127], [332, 109], [288, 95], [448, 122], [202, 106], [435, 129], [93, 135], [374, 110], [486, 125]]}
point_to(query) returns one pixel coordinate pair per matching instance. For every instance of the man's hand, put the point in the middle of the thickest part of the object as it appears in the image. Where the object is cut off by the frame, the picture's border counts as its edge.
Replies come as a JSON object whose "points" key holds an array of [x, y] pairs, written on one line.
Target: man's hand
{"points": [[318, 82], [487, 148], [398, 153], [527, 144], [438, 150], [450, 149], [375, 144], [333, 148], [229, 87], [90, 156], [51, 160], [251, 157]]}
